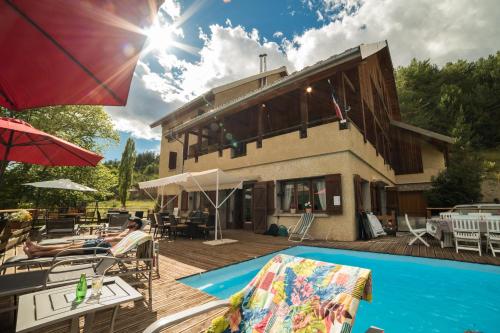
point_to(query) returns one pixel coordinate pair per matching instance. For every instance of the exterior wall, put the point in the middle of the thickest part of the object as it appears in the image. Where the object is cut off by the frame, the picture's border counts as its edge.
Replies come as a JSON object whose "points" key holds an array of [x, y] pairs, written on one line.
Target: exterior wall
{"points": [[230, 94], [287, 156], [433, 161]]}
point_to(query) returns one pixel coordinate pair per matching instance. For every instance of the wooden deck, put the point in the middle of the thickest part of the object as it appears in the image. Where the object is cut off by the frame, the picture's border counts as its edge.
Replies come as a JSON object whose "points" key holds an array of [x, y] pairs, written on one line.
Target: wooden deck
{"points": [[184, 257]]}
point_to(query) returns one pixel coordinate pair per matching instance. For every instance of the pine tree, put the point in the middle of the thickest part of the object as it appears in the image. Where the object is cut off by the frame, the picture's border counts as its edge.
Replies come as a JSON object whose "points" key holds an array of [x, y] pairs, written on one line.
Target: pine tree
{"points": [[460, 183], [126, 171]]}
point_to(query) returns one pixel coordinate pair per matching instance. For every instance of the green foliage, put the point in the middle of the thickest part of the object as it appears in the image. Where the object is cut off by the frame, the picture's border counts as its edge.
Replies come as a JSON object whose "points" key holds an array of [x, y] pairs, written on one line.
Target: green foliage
{"points": [[460, 183], [126, 171], [434, 98], [87, 126]]}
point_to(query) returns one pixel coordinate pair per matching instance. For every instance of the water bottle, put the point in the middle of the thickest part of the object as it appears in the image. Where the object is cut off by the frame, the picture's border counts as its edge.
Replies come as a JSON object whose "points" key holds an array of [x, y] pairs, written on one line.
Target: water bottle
{"points": [[81, 288]]}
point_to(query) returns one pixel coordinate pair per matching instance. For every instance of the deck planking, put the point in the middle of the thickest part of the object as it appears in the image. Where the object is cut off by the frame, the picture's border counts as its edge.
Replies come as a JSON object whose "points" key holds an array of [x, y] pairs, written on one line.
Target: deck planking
{"points": [[184, 257]]}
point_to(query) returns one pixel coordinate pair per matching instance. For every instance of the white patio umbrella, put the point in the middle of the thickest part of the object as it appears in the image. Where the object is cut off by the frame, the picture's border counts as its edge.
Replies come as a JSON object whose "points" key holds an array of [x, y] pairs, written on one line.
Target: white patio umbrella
{"points": [[209, 180], [62, 184]]}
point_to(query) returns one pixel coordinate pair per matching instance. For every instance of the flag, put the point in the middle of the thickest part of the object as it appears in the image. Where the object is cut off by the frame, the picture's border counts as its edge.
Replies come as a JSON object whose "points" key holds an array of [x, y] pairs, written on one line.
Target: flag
{"points": [[336, 106]]}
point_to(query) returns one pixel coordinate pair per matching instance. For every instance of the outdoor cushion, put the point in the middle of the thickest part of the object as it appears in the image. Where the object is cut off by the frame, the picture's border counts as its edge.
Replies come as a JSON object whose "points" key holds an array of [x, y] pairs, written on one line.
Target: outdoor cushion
{"points": [[292, 294]]}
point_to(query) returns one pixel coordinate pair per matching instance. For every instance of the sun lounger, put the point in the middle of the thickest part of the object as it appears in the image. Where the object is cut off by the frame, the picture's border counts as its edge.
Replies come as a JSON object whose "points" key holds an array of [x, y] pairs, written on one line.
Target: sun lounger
{"points": [[300, 231], [288, 292], [375, 226], [61, 227], [116, 223], [66, 266]]}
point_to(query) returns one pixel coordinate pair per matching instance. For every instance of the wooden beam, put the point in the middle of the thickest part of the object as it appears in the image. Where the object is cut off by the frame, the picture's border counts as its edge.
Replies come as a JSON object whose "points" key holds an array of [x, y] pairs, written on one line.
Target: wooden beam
{"points": [[260, 124], [185, 148], [198, 144], [221, 138], [348, 81], [362, 103], [304, 113]]}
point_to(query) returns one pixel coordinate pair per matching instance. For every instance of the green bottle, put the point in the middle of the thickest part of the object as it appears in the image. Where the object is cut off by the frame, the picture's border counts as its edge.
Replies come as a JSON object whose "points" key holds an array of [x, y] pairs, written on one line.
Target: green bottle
{"points": [[81, 288]]}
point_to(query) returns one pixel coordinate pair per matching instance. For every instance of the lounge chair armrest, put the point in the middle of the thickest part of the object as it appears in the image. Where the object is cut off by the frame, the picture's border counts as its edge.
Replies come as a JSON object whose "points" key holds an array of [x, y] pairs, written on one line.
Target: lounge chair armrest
{"points": [[95, 259], [161, 323]]}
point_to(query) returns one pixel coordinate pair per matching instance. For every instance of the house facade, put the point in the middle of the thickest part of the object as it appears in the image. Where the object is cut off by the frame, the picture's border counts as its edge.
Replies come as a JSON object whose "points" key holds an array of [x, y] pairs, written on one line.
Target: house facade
{"points": [[280, 133]]}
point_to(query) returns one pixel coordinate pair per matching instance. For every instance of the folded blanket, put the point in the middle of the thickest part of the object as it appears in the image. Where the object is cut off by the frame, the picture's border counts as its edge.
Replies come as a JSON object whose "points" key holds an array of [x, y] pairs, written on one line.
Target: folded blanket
{"points": [[292, 294], [129, 242]]}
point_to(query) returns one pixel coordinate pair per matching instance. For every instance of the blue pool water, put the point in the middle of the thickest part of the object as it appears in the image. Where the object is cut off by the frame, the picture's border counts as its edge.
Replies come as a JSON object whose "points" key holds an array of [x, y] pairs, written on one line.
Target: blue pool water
{"points": [[409, 294]]}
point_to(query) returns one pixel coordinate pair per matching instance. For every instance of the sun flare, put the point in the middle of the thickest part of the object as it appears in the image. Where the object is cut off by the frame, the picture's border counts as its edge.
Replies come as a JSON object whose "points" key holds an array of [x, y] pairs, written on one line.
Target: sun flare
{"points": [[160, 37]]}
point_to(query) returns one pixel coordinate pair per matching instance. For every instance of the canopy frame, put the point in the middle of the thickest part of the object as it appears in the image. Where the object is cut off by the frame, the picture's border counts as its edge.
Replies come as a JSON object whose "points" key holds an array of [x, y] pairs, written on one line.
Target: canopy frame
{"points": [[182, 180]]}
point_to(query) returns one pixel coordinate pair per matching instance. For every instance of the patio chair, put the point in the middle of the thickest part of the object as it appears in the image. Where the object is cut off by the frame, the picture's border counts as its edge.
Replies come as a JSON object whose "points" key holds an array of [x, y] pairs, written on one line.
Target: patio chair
{"points": [[467, 233], [161, 226], [265, 304], [300, 231], [61, 227], [493, 234], [480, 215], [116, 223], [448, 215], [175, 226], [418, 233]]}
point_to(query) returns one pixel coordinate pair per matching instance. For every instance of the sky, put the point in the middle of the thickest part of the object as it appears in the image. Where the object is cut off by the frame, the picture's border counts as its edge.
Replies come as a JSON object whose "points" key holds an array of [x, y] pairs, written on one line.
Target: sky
{"points": [[200, 44]]}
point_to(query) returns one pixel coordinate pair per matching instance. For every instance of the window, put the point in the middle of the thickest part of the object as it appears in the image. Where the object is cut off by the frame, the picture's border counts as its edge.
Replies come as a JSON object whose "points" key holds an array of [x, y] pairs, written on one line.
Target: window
{"points": [[296, 193], [238, 149], [172, 160]]}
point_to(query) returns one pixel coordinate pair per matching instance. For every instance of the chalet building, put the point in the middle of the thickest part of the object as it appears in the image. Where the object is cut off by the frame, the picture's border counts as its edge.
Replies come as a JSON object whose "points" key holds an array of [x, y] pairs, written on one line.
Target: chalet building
{"points": [[280, 133]]}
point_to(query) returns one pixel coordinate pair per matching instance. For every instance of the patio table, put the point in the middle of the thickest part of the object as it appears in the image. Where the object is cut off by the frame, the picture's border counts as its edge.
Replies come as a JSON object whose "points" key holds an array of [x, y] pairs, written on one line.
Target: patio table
{"points": [[47, 307], [442, 230]]}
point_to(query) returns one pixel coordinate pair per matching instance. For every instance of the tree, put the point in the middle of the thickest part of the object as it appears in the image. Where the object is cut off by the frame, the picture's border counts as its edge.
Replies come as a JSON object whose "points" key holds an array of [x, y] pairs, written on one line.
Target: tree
{"points": [[460, 183], [87, 126], [432, 97], [126, 171]]}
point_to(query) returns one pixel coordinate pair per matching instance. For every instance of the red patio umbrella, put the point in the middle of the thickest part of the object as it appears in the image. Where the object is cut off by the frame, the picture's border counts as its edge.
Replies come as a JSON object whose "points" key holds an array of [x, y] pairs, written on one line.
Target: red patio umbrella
{"points": [[20, 142], [58, 52]]}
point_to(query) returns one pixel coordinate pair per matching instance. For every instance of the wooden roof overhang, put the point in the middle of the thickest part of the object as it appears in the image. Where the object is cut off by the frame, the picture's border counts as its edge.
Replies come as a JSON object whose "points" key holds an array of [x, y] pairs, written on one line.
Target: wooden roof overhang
{"points": [[437, 139], [319, 71]]}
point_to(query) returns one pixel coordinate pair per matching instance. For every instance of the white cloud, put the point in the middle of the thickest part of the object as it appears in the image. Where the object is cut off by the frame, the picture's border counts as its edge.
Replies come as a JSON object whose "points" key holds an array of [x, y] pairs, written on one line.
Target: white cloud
{"points": [[442, 31]]}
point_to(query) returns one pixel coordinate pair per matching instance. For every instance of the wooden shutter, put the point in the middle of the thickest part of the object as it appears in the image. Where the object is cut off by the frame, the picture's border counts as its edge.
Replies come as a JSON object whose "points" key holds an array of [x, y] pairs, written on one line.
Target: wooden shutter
{"points": [[358, 197], [184, 201], [270, 198], [172, 160], [333, 185], [259, 209]]}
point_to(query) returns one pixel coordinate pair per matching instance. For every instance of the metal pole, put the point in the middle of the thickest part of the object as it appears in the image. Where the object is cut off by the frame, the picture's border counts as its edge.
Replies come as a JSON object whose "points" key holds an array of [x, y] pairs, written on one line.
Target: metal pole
{"points": [[217, 205], [5, 161]]}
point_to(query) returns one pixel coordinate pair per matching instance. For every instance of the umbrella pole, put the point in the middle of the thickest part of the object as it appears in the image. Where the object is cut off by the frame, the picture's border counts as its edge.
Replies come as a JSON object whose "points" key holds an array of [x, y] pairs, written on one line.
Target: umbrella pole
{"points": [[5, 161]]}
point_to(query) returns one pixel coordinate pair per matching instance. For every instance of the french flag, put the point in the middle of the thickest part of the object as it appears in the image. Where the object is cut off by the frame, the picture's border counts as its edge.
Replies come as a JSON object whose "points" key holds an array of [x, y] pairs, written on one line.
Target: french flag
{"points": [[336, 106]]}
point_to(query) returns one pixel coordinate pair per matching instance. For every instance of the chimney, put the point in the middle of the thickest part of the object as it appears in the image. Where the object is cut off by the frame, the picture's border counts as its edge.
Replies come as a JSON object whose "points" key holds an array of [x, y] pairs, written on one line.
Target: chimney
{"points": [[263, 68]]}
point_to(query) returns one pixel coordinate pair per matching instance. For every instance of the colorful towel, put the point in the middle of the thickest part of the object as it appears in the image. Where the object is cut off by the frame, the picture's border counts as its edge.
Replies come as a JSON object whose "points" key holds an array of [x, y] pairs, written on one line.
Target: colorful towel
{"points": [[292, 294], [130, 242]]}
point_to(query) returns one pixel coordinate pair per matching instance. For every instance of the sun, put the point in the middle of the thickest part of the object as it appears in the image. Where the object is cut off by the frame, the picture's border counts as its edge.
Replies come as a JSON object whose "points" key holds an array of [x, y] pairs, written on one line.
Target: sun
{"points": [[160, 37]]}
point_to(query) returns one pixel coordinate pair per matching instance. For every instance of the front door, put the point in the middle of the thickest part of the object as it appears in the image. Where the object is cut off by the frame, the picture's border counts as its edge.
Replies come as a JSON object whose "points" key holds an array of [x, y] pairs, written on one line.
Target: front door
{"points": [[259, 211]]}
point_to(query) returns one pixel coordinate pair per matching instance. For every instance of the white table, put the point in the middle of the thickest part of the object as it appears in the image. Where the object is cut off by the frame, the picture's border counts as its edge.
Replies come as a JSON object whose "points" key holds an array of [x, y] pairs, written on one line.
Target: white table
{"points": [[442, 230], [47, 307]]}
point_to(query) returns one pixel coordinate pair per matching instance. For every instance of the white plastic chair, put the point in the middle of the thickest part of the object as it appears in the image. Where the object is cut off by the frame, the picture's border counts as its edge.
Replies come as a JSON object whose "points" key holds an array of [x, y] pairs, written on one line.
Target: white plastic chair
{"points": [[467, 233], [448, 215], [418, 233], [481, 216], [493, 234]]}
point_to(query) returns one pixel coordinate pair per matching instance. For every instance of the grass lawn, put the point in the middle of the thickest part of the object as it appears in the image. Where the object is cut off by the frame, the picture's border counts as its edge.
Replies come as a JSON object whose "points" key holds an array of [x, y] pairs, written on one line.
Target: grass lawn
{"points": [[131, 204]]}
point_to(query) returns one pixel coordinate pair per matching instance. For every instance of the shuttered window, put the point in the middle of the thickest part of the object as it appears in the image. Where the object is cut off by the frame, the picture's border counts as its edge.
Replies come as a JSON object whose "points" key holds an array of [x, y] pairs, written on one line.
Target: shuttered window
{"points": [[184, 201], [334, 199], [295, 194], [172, 160], [270, 197]]}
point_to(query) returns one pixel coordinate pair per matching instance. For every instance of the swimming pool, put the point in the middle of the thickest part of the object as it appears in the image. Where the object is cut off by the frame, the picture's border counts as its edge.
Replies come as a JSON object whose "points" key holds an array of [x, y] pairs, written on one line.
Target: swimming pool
{"points": [[409, 294]]}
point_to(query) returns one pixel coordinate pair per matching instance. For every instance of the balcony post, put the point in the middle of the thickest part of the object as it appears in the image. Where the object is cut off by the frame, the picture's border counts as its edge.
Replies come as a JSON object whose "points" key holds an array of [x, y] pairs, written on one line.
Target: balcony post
{"points": [[304, 113]]}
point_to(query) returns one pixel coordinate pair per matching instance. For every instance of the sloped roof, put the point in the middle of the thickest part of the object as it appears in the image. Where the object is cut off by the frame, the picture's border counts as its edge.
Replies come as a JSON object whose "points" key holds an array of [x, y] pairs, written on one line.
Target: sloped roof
{"points": [[202, 99], [362, 51], [423, 132]]}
